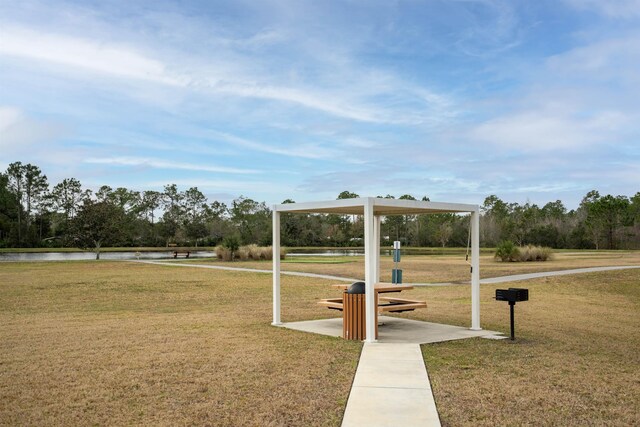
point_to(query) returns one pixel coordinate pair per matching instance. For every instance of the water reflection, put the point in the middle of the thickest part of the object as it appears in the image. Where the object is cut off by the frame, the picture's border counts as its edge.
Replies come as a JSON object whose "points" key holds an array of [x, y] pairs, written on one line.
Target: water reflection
{"points": [[78, 256]]}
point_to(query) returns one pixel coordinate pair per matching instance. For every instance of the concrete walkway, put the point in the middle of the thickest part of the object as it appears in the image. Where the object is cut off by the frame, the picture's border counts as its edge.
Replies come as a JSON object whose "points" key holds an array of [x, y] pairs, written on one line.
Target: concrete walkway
{"points": [[492, 280], [528, 276], [391, 388], [250, 270]]}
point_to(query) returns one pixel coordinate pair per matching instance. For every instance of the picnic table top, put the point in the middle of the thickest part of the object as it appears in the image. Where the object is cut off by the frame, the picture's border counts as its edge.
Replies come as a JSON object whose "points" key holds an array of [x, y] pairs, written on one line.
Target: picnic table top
{"points": [[379, 287]]}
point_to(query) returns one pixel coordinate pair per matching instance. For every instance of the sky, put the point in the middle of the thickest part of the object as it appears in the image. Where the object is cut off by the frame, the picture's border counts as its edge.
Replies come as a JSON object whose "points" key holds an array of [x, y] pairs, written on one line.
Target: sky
{"points": [[532, 101]]}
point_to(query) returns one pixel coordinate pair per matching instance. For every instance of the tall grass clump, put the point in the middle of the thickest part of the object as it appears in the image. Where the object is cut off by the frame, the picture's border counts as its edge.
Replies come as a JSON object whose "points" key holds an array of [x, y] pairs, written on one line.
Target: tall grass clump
{"points": [[247, 252], [255, 252], [242, 254], [509, 252], [227, 251], [535, 253], [223, 253], [262, 253]]}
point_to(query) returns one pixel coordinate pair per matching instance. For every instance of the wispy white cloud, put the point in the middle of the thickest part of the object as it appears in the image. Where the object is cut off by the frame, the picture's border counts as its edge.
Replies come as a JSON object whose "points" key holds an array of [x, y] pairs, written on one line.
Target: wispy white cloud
{"points": [[538, 130], [239, 78], [618, 57], [8, 117], [303, 150], [18, 131], [482, 37], [623, 9], [107, 58], [207, 184], [360, 142], [165, 164]]}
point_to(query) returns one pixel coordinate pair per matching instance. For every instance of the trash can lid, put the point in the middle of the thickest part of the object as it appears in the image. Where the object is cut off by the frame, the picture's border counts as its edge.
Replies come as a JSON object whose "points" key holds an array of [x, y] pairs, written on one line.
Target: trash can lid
{"points": [[356, 288]]}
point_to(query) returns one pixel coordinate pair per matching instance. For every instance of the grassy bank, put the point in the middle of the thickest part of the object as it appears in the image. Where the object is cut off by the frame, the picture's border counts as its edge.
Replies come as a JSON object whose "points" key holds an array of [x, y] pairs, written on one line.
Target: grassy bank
{"points": [[104, 343]]}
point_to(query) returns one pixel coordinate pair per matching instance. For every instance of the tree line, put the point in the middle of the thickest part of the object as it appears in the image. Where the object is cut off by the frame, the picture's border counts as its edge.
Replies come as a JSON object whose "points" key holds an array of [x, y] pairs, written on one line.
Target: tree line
{"points": [[35, 214]]}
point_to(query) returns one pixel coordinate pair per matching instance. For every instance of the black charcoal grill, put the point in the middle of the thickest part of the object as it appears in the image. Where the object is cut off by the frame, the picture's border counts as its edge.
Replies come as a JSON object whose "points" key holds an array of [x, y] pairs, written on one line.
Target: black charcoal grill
{"points": [[512, 295]]}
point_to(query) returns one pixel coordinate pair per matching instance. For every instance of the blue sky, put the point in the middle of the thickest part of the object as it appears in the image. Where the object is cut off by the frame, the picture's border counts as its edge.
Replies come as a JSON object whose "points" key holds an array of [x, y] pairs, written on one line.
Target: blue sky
{"points": [[532, 101]]}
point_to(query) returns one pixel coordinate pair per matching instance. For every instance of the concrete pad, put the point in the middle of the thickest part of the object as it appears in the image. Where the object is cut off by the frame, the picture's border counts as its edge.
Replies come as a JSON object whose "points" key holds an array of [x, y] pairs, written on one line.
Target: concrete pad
{"points": [[330, 327], [395, 330]]}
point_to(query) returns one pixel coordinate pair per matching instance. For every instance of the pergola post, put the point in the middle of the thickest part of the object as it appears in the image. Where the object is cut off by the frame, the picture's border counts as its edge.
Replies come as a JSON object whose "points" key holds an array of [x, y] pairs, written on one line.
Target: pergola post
{"points": [[276, 267], [376, 238], [475, 270], [369, 270]]}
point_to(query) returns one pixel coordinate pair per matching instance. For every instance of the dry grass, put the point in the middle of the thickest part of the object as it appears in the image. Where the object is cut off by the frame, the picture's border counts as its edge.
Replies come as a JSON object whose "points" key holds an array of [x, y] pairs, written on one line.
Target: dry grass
{"points": [[104, 343], [507, 251], [125, 343], [574, 362], [532, 253]]}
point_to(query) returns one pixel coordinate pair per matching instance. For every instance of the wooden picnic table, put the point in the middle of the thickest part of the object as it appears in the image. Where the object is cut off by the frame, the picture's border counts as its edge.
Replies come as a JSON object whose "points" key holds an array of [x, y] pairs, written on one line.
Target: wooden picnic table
{"points": [[353, 309], [384, 304], [379, 287]]}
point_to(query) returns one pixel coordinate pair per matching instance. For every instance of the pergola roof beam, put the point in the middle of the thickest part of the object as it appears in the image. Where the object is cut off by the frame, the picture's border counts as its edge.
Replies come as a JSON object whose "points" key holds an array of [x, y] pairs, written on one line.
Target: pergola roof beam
{"points": [[380, 207]]}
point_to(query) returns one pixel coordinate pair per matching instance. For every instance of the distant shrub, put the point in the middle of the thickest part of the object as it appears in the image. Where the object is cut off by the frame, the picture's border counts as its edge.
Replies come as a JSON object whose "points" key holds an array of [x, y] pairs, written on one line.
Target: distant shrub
{"points": [[535, 253], [254, 252], [507, 251], [248, 252], [242, 253], [232, 244], [223, 253]]}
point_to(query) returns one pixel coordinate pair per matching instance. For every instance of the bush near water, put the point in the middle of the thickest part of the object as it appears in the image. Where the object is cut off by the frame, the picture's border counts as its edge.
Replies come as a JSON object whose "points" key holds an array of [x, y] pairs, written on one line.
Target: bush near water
{"points": [[246, 253], [508, 252]]}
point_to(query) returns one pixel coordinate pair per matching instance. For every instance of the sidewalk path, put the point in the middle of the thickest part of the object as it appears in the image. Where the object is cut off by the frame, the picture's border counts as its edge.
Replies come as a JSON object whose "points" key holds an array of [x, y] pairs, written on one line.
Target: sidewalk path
{"points": [[391, 388], [250, 270], [487, 281], [528, 276]]}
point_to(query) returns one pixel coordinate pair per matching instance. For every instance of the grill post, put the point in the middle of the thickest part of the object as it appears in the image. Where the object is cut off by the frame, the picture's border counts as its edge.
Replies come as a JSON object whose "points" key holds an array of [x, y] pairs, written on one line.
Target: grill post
{"points": [[512, 305]]}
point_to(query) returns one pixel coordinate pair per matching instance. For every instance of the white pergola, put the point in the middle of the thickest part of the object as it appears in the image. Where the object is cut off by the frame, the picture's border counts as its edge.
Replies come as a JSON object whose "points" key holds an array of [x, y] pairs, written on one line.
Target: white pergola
{"points": [[373, 209]]}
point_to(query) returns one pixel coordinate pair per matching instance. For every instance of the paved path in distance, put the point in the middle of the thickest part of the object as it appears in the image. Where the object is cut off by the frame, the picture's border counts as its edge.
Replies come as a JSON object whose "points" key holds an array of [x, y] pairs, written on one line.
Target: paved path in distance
{"points": [[487, 281], [528, 276], [250, 270]]}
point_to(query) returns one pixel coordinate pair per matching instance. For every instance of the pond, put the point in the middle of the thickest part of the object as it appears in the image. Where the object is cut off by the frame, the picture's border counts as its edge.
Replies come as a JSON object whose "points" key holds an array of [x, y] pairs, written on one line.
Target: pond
{"points": [[77, 256], [168, 254]]}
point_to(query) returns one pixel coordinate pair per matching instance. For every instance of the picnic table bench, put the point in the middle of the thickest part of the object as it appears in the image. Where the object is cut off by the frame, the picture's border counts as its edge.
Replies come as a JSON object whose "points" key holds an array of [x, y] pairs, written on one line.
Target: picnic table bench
{"points": [[384, 304], [353, 307]]}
